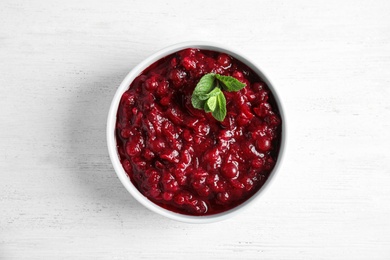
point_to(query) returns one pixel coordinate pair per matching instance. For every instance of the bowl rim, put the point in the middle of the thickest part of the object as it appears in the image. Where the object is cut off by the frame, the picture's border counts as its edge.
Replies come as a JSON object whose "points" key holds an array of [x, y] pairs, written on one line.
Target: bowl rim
{"points": [[111, 139]]}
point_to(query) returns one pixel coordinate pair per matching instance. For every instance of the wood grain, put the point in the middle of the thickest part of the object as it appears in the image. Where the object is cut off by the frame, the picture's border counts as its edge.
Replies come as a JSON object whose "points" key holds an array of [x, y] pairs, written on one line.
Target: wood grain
{"points": [[61, 63]]}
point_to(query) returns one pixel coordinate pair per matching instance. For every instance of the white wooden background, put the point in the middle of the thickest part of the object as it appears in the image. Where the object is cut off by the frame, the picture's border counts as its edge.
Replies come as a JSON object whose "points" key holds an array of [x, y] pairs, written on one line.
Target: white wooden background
{"points": [[61, 62]]}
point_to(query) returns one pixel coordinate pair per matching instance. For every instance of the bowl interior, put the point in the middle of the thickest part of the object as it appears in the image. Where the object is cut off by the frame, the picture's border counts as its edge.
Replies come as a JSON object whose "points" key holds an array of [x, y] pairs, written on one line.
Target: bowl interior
{"points": [[112, 146]]}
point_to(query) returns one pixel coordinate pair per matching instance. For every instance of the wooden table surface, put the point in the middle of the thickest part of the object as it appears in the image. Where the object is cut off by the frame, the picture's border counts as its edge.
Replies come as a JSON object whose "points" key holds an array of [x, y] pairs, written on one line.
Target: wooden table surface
{"points": [[60, 65]]}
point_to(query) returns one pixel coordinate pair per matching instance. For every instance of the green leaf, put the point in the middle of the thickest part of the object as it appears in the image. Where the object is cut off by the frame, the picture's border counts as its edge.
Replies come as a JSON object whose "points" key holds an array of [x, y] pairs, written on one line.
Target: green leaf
{"points": [[208, 95], [212, 103], [206, 108], [213, 93], [202, 89], [230, 83], [196, 102], [205, 84], [220, 111]]}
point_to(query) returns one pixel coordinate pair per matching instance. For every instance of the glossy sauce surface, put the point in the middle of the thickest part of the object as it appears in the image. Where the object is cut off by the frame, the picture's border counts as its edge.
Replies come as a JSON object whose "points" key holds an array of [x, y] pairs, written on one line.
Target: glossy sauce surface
{"points": [[180, 157]]}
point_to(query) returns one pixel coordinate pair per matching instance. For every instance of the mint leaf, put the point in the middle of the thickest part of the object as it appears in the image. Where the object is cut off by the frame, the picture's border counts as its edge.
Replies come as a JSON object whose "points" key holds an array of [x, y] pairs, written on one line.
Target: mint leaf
{"points": [[208, 95], [212, 103], [220, 111], [205, 85], [206, 108], [212, 93], [196, 102], [230, 83]]}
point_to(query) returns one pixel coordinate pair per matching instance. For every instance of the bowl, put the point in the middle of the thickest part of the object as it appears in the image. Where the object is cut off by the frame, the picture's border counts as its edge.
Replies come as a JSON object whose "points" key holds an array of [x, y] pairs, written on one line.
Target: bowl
{"points": [[112, 142]]}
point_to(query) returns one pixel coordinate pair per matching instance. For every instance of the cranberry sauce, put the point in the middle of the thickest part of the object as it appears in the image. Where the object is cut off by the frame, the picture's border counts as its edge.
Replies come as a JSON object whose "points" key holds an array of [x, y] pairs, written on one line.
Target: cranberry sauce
{"points": [[182, 158]]}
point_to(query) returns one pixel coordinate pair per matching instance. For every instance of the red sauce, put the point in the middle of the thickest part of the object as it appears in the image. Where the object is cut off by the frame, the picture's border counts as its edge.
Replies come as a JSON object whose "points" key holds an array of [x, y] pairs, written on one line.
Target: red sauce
{"points": [[183, 159]]}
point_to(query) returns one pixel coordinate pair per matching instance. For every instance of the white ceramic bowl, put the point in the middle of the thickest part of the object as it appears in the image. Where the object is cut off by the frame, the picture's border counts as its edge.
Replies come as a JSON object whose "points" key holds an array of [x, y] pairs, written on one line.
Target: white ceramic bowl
{"points": [[111, 139]]}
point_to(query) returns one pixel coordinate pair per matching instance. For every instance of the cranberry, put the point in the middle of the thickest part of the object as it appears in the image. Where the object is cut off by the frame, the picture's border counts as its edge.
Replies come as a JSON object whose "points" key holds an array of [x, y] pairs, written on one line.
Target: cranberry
{"points": [[151, 83], [202, 129], [128, 99], [134, 146], [210, 63], [269, 163], [198, 206], [273, 120], [157, 145], [225, 135], [242, 120], [229, 170], [148, 154], [174, 63], [238, 75], [180, 157], [190, 52], [126, 133], [224, 60], [223, 197], [215, 183], [263, 143], [170, 155], [154, 192], [263, 96], [263, 109], [162, 88], [251, 96], [139, 163], [259, 86], [257, 163], [187, 135], [186, 157], [213, 159], [179, 199], [171, 186], [189, 63], [204, 191], [127, 166], [260, 130], [154, 178], [237, 184], [177, 76], [167, 196], [248, 183], [198, 184], [166, 101], [200, 56], [159, 165], [169, 182], [175, 115]]}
